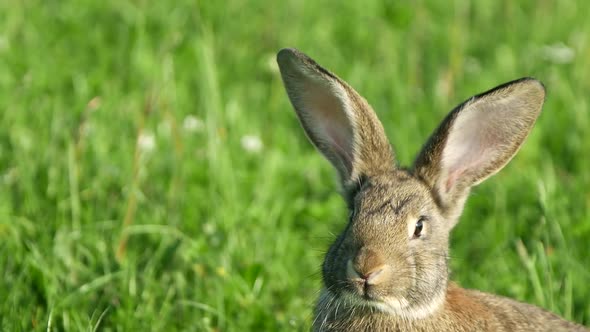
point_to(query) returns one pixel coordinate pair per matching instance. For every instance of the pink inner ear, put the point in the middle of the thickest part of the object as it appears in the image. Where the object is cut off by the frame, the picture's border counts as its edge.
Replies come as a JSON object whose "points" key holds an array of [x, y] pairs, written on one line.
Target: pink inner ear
{"points": [[339, 141], [479, 137], [459, 169], [327, 118]]}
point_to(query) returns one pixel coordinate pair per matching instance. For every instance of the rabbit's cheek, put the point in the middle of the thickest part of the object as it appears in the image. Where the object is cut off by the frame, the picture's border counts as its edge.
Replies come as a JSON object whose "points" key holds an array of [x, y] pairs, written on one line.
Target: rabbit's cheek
{"points": [[334, 267]]}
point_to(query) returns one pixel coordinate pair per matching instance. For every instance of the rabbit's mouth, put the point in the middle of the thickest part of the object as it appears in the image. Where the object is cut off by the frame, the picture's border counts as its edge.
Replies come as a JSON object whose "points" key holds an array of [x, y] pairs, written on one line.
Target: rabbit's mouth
{"points": [[387, 304], [393, 305], [364, 290]]}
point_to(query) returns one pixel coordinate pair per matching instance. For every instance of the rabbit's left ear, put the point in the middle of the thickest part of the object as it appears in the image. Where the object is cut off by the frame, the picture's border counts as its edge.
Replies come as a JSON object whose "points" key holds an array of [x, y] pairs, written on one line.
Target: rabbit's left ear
{"points": [[338, 121], [478, 138]]}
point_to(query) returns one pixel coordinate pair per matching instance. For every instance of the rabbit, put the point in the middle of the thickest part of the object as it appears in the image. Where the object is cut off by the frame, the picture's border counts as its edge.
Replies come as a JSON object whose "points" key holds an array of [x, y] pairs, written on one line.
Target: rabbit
{"points": [[388, 270]]}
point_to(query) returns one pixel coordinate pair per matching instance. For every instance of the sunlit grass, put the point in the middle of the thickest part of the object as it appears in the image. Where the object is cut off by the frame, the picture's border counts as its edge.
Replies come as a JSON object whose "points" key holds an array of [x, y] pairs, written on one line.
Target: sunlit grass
{"points": [[154, 177]]}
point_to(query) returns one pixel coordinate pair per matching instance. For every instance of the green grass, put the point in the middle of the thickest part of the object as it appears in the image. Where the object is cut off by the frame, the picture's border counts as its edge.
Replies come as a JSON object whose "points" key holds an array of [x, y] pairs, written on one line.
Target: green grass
{"points": [[220, 238]]}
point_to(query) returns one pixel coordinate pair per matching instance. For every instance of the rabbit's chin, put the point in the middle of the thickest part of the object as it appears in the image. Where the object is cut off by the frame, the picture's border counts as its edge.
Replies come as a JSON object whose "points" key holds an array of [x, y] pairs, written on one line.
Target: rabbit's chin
{"points": [[398, 306]]}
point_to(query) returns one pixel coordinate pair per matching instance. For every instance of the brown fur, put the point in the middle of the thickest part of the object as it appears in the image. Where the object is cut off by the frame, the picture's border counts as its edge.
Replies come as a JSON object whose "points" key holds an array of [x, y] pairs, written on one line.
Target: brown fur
{"points": [[463, 311], [384, 273]]}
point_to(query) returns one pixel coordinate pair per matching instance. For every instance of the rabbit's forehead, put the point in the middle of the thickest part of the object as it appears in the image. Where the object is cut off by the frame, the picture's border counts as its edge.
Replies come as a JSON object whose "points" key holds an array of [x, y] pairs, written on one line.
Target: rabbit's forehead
{"points": [[395, 194]]}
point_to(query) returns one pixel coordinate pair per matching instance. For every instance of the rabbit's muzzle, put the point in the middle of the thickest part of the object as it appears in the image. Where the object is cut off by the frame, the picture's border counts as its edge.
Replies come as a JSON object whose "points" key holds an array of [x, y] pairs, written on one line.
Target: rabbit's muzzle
{"points": [[366, 271]]}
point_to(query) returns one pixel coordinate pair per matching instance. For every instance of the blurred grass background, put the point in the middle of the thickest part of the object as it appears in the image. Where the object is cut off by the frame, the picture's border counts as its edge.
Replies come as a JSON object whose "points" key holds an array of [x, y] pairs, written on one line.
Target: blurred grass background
{"points": [[153, 176]]}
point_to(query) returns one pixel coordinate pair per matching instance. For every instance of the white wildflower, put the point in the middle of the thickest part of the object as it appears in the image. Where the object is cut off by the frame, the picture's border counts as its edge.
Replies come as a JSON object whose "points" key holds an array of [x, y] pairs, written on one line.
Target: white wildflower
{"points": [[146, 142], [192, 124], [558, 53], [252, 143], [209, 228]]}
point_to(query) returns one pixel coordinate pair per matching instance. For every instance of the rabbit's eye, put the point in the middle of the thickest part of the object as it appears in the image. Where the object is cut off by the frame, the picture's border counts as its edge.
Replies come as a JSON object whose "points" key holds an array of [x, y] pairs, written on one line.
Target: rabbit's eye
{"points": [[419, 228]]}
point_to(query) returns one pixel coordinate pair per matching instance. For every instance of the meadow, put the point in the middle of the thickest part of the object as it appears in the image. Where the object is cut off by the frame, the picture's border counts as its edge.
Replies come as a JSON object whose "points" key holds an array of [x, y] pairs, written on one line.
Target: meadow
{"points": [[153, 176]]}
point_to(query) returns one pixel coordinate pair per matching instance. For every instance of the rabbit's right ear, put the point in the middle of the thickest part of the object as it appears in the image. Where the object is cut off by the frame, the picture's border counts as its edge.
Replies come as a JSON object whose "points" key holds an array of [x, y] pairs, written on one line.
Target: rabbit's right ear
{"points": [[477, 139], [338, 121]]}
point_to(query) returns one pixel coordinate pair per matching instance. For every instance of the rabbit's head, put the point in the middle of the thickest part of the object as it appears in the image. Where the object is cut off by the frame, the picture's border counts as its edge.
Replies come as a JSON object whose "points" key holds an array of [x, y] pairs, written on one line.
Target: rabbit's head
{"points": [[392, 256]]}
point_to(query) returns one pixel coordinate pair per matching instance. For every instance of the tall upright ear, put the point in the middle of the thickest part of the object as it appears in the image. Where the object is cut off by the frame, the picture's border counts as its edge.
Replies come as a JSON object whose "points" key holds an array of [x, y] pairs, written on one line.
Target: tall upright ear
{"points": [[477, 139], [338, 121]]}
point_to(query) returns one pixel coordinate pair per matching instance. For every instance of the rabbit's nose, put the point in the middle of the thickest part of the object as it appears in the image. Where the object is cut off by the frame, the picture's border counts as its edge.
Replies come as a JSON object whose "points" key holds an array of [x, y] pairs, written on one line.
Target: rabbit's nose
{"points": [[368, 265]]}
